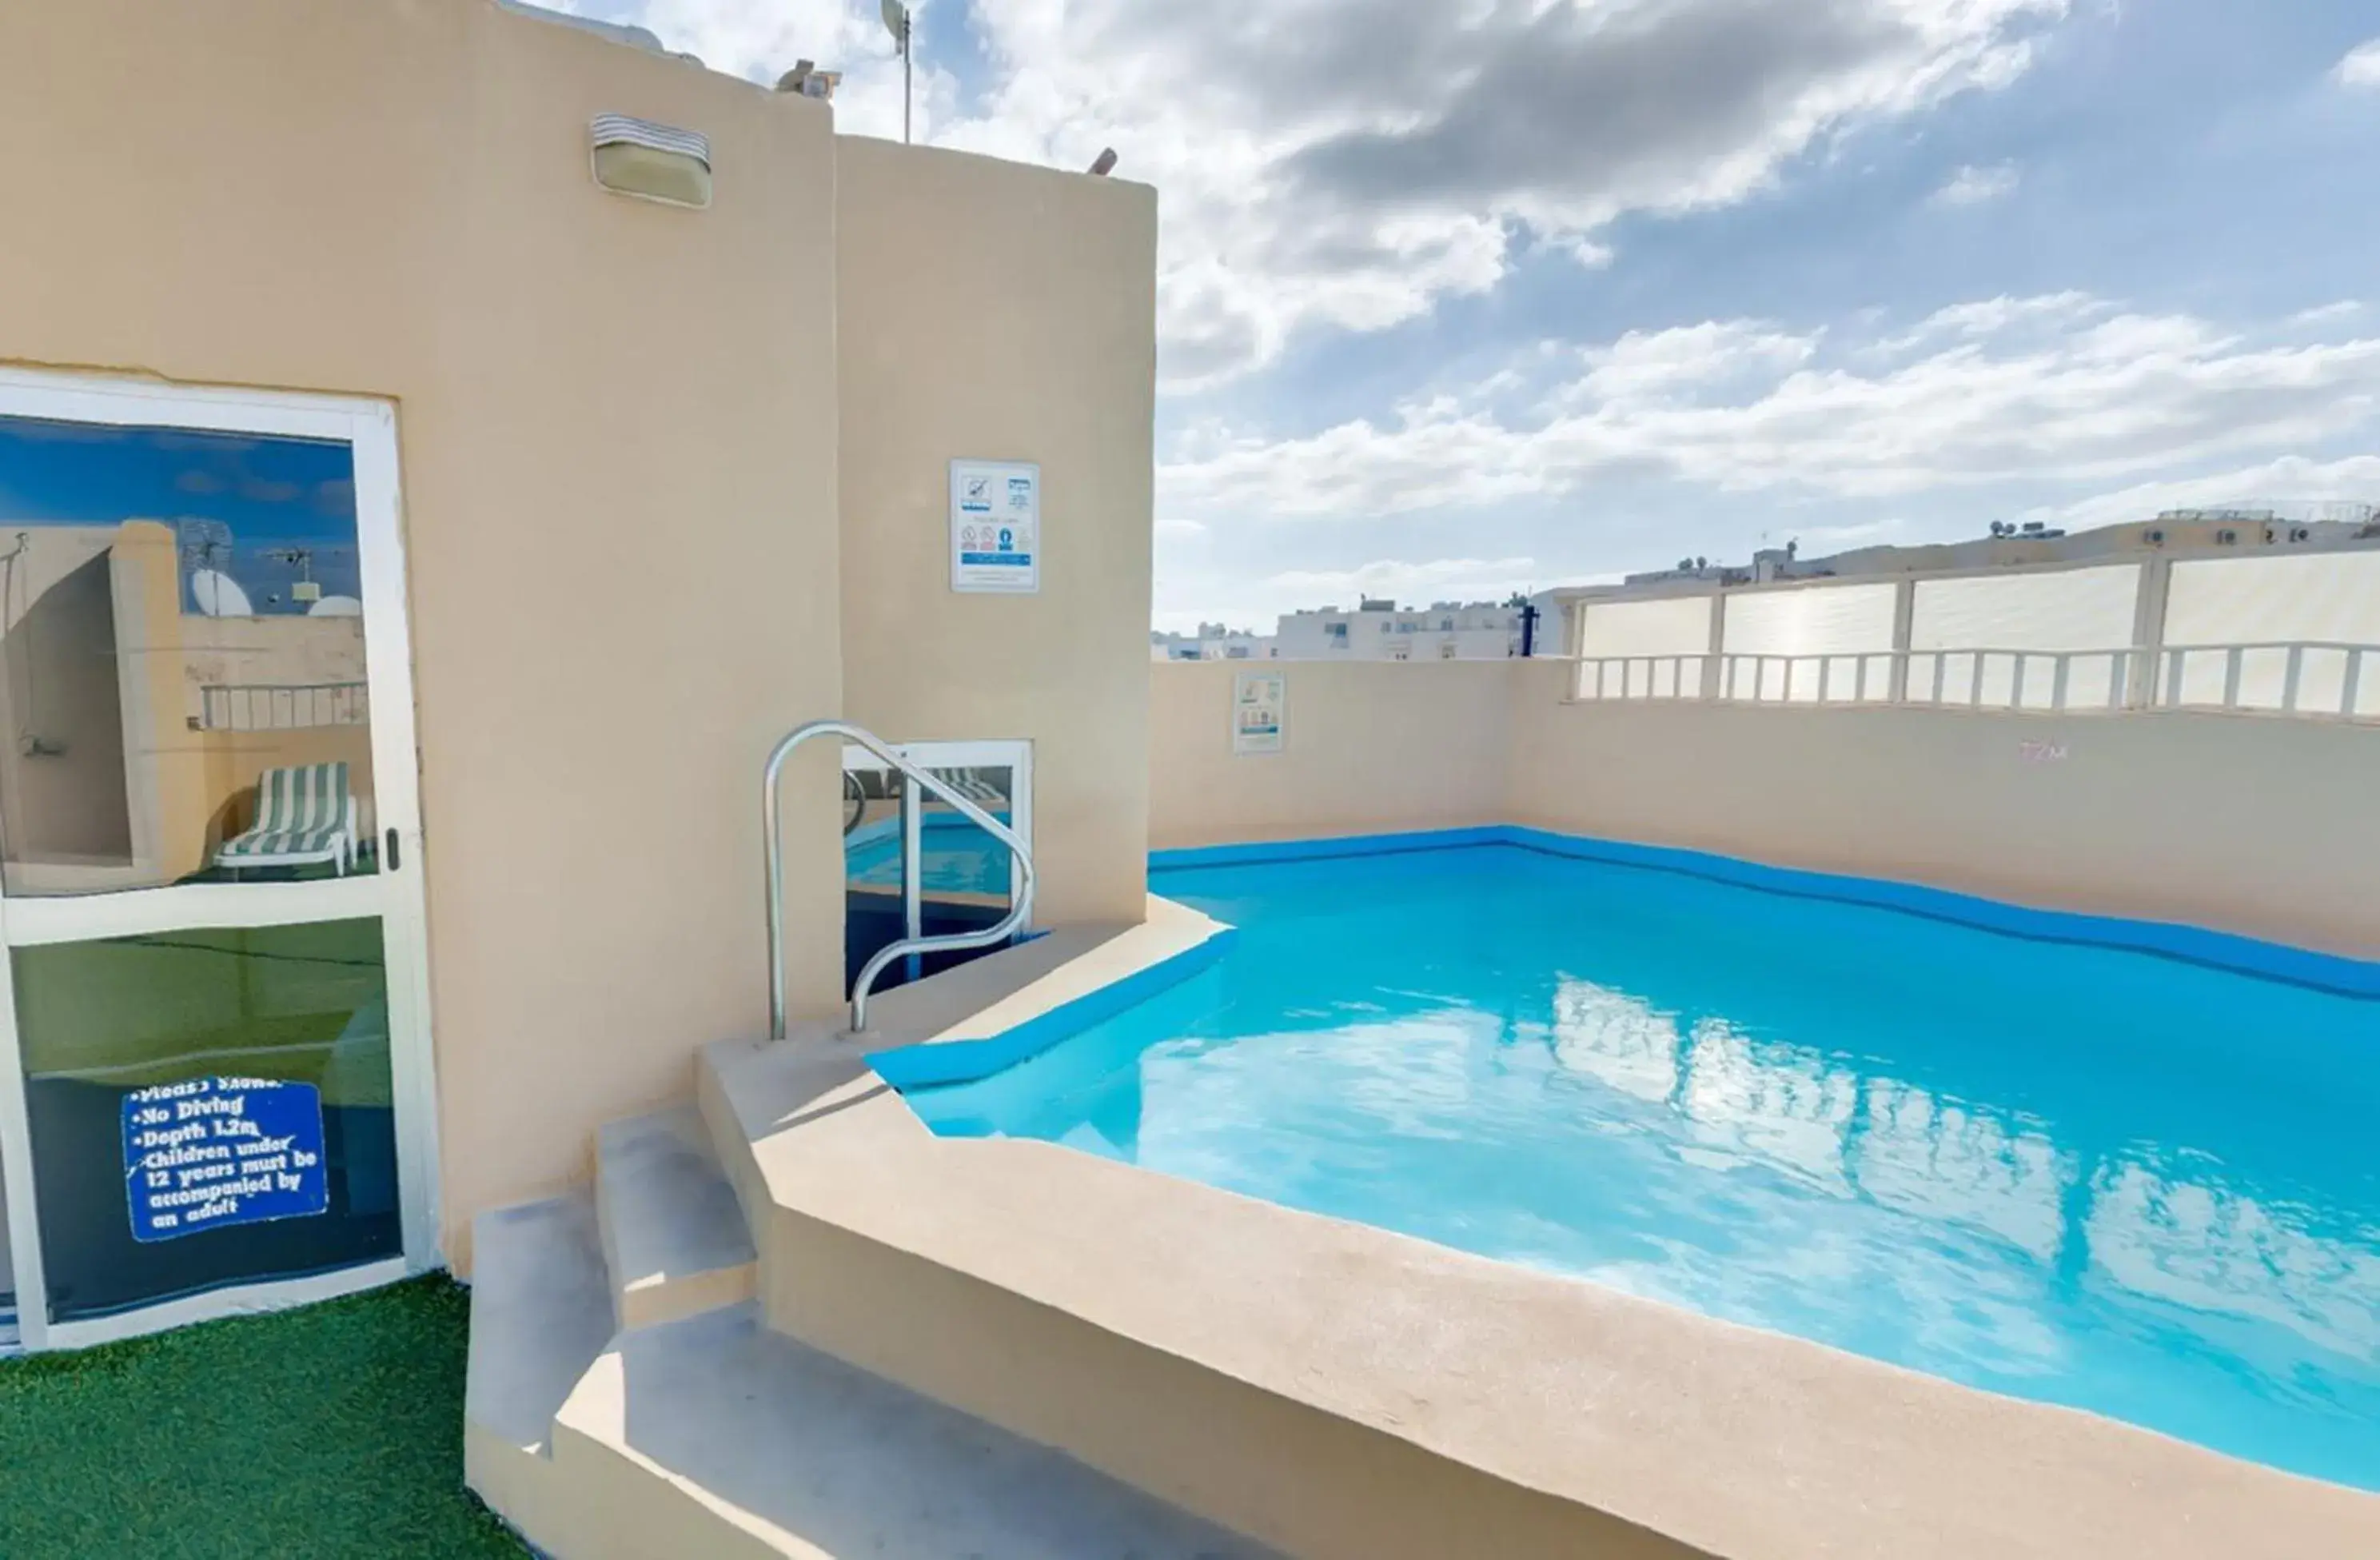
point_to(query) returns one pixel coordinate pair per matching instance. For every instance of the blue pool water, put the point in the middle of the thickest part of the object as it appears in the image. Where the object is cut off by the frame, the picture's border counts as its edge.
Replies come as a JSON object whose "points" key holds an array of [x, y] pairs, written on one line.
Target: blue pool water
{"points": [[2102, 1178], [954, 856]]}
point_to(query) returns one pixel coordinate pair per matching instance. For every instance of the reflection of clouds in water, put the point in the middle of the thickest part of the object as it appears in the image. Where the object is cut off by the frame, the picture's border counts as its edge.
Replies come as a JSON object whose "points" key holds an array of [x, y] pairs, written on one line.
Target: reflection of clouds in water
{"points": [[2214, 1251], [1972, 1177], [1786, 1107], [1410, 1078], [1616, 1039], [1775, 1104], [1942, 1160], [1413, 1077]]}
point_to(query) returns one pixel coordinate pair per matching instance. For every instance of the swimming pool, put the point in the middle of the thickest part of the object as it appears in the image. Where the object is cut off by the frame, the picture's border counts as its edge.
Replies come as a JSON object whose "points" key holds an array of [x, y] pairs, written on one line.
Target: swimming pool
{"points": [[2129, 1183], [953, 857]]}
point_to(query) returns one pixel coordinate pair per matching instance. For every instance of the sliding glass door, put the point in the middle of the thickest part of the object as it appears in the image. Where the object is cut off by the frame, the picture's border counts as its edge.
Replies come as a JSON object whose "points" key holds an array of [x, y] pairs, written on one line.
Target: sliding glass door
{"points": [[215, 1087]]}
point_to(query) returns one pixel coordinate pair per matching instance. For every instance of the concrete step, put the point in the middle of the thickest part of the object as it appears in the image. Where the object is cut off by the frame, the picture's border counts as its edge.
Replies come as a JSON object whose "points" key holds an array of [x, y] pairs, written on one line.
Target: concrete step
{"points": [[540, 1312], [674, 1240], [750, 1443]]}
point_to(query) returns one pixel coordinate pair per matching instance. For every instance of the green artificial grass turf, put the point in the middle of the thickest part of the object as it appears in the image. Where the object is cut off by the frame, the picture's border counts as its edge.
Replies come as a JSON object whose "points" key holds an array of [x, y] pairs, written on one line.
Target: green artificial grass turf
{"points": [[334, 1429]]}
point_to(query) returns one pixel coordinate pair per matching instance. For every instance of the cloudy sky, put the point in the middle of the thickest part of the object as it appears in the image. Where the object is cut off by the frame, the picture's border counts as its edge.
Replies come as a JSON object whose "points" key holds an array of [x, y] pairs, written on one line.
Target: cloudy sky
{"points": [[1460, 296]]}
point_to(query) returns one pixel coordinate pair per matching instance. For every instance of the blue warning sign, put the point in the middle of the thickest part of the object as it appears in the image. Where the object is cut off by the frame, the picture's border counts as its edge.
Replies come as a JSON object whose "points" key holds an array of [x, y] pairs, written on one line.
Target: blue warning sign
{"points": [[213, 1152]]}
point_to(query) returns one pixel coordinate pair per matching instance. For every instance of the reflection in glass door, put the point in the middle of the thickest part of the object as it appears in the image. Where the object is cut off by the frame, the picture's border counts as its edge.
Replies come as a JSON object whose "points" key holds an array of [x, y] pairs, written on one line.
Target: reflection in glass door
{"points": [[214, 1063], [7, 1276], [965, 878]]}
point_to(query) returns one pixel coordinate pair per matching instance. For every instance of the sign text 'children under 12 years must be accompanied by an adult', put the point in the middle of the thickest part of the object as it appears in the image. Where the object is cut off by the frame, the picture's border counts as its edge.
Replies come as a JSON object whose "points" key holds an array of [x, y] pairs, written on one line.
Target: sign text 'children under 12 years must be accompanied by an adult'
{"points": [[213, 1152], [996, 526]]}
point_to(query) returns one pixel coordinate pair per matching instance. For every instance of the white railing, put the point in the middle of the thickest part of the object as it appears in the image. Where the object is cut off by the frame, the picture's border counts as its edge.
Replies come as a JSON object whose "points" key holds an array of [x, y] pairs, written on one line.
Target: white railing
{"points": [[2307, 678], [281, 706], [2058, 681], [2300, 678], [1752, 677], [1641, 677]]}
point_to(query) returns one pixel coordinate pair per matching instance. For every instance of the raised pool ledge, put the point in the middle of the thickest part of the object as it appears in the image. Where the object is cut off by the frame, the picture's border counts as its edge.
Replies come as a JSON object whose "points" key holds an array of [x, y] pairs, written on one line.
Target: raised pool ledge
{"points": [[1117, 972], [1346, 1393], [2335, 973]]}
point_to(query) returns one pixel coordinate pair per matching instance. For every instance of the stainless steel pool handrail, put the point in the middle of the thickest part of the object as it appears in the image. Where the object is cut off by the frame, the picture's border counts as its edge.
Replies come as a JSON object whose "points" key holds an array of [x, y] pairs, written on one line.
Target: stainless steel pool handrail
{"points": [[1020, 893]]}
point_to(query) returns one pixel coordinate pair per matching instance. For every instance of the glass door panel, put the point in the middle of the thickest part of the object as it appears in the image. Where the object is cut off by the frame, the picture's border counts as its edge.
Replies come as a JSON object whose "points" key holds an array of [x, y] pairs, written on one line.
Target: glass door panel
{"points": [[965, 873], [874, 805], [966, 878], [182, 700], [207, 1107], [8, 1273], [217, 1069]]}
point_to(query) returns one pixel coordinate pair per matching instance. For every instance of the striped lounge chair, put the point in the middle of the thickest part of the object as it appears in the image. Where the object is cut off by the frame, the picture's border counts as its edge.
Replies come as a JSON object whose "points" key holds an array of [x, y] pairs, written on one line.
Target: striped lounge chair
{"points": [[304, 817]]}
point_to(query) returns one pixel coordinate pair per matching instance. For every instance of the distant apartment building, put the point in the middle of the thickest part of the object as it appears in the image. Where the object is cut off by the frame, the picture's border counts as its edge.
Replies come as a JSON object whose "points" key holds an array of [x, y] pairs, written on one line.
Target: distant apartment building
{"points": [[1213, 642], [2215, 533], [1381, 630]]}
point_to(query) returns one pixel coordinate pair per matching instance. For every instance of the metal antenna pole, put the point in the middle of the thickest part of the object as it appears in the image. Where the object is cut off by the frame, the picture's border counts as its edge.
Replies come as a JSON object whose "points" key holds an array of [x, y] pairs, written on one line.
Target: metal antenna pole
{"points": [[901, 23]]}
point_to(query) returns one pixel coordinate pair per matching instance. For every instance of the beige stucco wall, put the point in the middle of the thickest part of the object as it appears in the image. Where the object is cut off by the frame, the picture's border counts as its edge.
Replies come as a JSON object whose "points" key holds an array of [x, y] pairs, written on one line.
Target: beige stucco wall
{"points": [[991, 310], [2251, 823], [1367, 746], [618, 440], [2256, 825]]}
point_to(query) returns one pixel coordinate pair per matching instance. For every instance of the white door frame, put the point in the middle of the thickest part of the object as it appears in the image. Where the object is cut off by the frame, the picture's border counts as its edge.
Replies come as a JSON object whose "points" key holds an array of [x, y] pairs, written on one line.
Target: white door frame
{"points": [[394, 896], [1013, 754]]}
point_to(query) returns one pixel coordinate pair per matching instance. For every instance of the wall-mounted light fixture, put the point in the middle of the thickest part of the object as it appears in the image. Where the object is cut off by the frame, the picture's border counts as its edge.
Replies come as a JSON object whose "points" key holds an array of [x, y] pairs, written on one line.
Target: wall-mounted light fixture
{"points": [[806, 80], [650, 162]]}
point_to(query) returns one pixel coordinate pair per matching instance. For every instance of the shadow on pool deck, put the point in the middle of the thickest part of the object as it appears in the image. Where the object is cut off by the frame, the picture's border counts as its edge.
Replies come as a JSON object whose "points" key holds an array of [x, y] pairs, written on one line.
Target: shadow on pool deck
{"points": [[334, 1429]]}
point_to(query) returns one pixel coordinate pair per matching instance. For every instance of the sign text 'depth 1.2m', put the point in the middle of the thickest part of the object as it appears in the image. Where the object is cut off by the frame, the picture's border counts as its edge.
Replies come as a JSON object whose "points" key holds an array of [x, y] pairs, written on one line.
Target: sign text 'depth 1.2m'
{"points": [[213, 1152]]}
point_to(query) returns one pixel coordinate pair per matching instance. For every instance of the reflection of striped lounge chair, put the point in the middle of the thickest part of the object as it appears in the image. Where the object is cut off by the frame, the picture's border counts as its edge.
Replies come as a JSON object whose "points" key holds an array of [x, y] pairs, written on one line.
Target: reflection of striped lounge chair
{"points": [[971, 785], [304, 817]]}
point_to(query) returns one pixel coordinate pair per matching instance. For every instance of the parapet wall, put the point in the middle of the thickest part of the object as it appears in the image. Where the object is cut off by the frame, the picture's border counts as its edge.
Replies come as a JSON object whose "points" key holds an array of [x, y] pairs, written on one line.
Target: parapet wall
{"points": [[2259, 824]]}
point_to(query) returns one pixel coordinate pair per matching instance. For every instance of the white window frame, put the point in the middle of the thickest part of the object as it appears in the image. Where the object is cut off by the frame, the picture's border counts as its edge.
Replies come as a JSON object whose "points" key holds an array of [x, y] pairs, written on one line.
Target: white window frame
{"points": [[395, 898], [1015, 755]]}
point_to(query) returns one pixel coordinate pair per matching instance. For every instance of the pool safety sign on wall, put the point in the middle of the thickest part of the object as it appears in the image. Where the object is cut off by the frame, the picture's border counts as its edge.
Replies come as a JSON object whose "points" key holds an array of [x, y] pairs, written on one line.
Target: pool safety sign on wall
{"points": [[213, 1151], [996, 526], [1258, 705]]}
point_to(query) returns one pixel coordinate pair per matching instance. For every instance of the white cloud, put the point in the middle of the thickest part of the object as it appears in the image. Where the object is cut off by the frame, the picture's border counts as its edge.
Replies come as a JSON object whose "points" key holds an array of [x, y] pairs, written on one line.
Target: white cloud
{"points": [[1350, 163], [1440, 577], [1590, 254], [2062, 388], [2049, 313], [2361, 67], [1644, 363], [761, 39], [1976, 186]]}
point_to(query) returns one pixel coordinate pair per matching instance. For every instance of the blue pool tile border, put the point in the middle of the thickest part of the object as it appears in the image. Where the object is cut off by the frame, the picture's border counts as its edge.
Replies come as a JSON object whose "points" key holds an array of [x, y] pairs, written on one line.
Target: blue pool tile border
{"points": [[933, 1064], [2334, 974]]}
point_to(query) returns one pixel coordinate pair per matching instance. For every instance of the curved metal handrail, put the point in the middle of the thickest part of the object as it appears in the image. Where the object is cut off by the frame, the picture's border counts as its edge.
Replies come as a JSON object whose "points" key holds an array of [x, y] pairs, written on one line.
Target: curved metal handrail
{"points": [[1021, 896]]}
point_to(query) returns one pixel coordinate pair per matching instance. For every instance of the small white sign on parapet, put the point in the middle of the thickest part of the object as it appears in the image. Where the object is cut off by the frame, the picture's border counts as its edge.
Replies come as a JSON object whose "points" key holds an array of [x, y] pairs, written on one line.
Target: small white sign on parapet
{"points": [[996, 527], [1259, 704]]}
